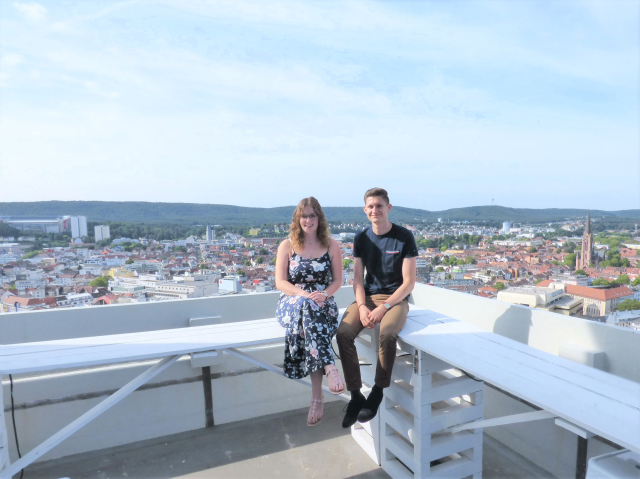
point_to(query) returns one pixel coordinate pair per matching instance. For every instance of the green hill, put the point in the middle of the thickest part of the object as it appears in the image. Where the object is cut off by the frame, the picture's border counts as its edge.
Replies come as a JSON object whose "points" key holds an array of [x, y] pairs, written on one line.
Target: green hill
{"points": [[192, 213]]}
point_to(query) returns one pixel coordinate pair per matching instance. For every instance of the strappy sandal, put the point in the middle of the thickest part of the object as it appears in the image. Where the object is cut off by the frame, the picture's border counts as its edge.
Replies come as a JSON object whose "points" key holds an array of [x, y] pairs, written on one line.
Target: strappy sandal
{"points": [[312, 411], [333, 378]]}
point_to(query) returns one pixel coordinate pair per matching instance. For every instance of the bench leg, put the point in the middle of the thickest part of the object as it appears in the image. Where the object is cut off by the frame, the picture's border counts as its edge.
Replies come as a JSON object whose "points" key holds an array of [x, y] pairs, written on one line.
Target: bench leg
{"points": [[4, 438], [581, 459], [87, 417]]}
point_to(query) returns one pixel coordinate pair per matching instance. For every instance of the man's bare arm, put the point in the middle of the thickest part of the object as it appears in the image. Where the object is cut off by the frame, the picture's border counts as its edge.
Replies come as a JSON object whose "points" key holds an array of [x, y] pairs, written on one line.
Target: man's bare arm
{"points": [[358, 289], [408, 283]]}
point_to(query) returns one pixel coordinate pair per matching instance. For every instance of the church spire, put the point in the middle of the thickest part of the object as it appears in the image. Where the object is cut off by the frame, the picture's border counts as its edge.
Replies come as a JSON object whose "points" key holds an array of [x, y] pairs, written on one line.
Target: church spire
{"points": [[587, 228]]}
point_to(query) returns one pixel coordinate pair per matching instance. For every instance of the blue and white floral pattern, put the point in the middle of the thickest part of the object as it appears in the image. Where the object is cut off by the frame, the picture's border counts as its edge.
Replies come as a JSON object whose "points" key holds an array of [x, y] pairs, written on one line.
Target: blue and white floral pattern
{"points": [[310, 328]]}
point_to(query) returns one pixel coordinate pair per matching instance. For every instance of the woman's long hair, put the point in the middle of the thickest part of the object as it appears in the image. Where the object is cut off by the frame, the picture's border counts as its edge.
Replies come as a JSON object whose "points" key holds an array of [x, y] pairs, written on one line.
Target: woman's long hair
{"points": [[296, 236]]}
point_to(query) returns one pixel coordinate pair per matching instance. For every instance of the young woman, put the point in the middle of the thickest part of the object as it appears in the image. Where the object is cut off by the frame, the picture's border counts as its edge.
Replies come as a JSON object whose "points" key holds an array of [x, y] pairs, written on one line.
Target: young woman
{"points": [[309, 272]]}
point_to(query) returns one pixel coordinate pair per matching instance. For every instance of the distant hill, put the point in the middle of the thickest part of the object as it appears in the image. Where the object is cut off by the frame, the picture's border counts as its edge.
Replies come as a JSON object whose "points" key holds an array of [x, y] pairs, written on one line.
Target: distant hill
{"points": [[193, 213]]}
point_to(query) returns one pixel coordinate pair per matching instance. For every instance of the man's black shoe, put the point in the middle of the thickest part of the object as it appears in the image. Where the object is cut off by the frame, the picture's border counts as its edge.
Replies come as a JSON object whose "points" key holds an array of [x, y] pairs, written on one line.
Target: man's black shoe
{"points": [[370, 408], [353, 408]]}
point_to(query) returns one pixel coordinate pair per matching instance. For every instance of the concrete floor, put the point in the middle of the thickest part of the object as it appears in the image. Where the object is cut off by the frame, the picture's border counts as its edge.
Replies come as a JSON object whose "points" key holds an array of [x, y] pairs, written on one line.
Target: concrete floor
{"points": [[276, 446]]}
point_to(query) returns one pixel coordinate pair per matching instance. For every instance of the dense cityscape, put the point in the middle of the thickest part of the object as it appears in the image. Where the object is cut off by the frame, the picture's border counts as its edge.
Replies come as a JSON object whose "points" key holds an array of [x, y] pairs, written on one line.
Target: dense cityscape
{"points": [[56, 263]]}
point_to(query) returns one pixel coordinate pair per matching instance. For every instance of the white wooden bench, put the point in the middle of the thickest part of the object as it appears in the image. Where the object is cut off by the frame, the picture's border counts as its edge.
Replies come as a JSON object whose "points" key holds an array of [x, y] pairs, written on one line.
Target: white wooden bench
{"points": [[167, 345], [585, 400], [571, 392]]}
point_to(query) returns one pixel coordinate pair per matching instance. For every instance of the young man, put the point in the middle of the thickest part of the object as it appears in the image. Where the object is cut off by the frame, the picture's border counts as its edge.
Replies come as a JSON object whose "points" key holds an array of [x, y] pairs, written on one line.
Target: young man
{"points": [[388, 253]]}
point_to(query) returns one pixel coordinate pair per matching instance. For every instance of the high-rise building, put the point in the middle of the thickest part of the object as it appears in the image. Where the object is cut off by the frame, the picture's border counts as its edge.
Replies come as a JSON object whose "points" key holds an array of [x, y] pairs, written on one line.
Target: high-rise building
{"points": [[102, 232], [211, 233], [506, 227], [78, 226]]}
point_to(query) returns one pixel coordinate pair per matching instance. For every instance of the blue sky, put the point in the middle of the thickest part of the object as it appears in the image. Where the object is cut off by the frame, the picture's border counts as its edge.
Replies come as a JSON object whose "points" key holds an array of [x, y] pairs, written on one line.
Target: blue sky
{"points": [[261, 103]]}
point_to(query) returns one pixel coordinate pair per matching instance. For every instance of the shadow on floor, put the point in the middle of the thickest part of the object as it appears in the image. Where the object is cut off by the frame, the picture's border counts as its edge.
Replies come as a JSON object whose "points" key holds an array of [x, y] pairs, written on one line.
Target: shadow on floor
{"points": [[276, 446], [280, 445]]}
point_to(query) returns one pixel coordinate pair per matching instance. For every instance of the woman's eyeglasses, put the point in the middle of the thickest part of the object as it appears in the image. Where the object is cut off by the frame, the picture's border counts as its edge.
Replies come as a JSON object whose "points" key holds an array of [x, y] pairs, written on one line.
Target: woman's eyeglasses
{"points": [[309, 217]]}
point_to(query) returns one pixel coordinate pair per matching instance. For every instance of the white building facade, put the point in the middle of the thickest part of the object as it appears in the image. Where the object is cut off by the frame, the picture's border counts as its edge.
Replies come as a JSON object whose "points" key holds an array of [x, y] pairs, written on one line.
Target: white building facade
{"points": [[78, 226], [102, 232]]}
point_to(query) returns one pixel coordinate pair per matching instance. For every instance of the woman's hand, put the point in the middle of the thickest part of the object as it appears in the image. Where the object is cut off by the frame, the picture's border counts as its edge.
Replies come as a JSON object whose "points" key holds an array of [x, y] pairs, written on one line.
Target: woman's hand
{"points": [[317, 297]]}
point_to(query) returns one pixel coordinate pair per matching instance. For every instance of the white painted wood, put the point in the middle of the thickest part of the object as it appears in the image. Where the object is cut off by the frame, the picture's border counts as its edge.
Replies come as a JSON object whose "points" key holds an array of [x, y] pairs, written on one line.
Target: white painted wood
{"points": [[92, 351], [403, 369], [400, 449], [402, 395], [368, 435], [443, 445], [450, 388], [61, 435], [569, 390], [578, 431], [206, 358], [205, 320], [85, 352], [402, 422], [564, 368], [280, 372], [418, 409], [448, 416], [397, 470], [458, 468], [165, 334], [504, 420], [4, 437]]}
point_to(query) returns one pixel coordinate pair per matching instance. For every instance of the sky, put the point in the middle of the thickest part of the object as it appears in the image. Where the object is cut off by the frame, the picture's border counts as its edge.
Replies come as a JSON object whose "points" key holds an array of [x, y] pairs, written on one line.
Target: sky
{"points": [[446, 104]]}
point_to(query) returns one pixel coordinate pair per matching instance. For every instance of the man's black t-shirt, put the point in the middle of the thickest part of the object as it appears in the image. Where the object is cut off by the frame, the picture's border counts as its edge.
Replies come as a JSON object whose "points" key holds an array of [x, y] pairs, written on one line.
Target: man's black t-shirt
{"points": [[382, 257]]}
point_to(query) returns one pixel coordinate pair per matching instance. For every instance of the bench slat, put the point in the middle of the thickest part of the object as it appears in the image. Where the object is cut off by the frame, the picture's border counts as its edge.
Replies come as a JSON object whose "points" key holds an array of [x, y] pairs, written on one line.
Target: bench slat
{"points": [[113, 349]]}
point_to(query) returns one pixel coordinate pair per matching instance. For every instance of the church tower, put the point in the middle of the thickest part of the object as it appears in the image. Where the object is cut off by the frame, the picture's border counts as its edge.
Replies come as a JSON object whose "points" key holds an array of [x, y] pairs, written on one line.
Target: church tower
{"points": [[585, 257]]}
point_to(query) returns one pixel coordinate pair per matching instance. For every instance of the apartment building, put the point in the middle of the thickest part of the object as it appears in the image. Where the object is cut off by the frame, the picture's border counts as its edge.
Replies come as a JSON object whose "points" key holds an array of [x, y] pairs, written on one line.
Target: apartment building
{"points": [[102, 232]]}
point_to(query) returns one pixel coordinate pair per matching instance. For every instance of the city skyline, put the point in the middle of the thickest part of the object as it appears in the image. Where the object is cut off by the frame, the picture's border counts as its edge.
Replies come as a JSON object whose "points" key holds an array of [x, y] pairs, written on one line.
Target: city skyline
{"points": [[261, 103]]}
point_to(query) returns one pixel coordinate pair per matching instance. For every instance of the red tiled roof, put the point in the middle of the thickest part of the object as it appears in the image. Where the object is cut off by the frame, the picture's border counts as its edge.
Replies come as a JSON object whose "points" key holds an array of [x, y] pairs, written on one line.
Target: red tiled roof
{"points": [[545, 283], [23, 301], [600, 294], [485, 294]]}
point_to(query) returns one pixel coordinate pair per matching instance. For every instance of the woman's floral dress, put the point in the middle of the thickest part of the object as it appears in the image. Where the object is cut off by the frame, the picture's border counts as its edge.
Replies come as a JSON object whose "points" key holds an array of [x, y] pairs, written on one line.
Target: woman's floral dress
{"points": [[310, 328]]}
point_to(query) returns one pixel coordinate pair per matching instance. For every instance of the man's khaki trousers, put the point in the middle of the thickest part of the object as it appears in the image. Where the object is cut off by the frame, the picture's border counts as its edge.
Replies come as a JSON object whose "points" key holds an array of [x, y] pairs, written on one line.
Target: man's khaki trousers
{"points": [[392, 323]]}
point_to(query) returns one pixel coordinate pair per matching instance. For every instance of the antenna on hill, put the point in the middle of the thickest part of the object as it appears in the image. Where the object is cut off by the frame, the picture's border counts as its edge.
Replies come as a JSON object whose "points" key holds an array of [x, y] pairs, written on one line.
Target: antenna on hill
{"points": [[491, 201]]}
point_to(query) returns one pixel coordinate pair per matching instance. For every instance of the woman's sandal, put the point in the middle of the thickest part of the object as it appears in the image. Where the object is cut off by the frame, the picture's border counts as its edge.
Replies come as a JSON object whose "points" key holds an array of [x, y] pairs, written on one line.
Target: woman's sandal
{"points": [[312, 411], [333, 378]]}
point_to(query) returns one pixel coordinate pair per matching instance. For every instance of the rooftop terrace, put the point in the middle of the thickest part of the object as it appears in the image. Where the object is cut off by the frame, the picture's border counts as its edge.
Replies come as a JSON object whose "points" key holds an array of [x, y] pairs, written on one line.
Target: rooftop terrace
{"points": [[255, 422]]}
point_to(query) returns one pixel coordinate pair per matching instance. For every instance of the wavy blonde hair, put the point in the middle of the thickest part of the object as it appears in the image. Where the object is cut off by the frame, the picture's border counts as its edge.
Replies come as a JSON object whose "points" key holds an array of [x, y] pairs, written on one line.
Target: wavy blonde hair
{"points": [[296, 236]]}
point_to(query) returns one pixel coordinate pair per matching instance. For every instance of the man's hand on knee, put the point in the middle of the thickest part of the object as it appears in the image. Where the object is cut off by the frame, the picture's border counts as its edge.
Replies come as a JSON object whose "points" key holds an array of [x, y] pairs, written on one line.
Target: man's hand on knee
{"points": [[364, 317], [377, 314]]}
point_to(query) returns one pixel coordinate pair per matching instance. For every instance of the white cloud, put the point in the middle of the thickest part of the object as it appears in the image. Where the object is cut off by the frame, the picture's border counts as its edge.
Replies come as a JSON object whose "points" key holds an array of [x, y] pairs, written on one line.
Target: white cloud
{"points": [[32, 11], [11, 59], [97, 89]]}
